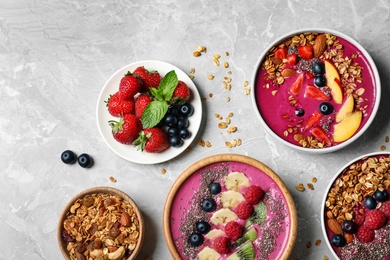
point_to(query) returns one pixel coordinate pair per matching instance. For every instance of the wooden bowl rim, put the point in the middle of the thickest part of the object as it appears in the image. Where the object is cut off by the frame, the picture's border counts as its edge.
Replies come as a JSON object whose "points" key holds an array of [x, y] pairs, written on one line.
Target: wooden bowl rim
{"points": [[229, 158], [108, 190]]}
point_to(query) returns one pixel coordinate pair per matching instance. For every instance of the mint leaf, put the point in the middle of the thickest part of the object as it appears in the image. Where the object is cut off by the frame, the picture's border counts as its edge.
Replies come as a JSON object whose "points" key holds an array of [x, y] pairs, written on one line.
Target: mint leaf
{"points": [[153, 113], [167, 85]]}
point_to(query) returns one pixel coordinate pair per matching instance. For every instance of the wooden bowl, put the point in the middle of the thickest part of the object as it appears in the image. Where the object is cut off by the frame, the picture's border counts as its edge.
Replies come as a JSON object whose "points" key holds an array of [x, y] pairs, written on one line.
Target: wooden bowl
{"points": [[107, 190], [184, 190]]}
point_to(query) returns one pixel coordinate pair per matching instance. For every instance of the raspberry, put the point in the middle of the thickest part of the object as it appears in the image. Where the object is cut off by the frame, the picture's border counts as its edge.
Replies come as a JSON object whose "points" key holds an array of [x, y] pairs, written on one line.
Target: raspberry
{"points": [[375, 219], [233, 230], [365, 234], [221, 244], [385, 208], [359, 219], [254, 194], [244, 210]]}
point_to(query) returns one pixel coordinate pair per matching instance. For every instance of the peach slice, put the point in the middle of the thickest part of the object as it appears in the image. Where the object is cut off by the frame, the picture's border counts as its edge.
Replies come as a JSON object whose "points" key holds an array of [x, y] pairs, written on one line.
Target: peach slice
{"points": [[347, 127], [333, 81], [346, 108]]}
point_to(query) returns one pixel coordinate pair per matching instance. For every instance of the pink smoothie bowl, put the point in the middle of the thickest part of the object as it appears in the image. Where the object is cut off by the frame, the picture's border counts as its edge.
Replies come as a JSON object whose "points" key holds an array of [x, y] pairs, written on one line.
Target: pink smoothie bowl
{"points": [[315, 90]]}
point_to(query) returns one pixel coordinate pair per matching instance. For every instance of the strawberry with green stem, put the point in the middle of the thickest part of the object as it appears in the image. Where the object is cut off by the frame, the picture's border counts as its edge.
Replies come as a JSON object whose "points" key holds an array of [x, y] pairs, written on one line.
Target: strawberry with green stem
{"points": [[118, 107], [129, 86], [152, 140], [151, 79], [127, 129]]}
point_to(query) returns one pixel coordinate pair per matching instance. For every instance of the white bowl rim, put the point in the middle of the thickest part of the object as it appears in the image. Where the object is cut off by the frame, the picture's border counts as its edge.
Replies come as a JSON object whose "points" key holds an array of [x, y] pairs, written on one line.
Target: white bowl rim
{"points": [[377, 90], [331, 184]]}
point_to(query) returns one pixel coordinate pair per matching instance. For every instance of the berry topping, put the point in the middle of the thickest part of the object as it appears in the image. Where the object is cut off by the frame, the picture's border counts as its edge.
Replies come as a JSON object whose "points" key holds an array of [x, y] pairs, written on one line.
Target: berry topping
{"points": [[338, 240], [306, 52], [370, 202], [244, 210], [381, 196], [281, 53], [221, 245], [208, 205], [375, 219], [320, 80], [365, 234], [292, 59], [196, 239], [319, 68], [253, 194], [68, 157], [85, 160], [385, 208], [186, 110], [299, 112], [233, 230], [325, 108], [359, 219], [202, 227], [348, 226], [215, 188]]}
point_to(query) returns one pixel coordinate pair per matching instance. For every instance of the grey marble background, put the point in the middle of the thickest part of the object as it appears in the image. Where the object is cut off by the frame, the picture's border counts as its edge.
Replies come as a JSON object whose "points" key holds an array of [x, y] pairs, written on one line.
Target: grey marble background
{"points": [[55, 57]]}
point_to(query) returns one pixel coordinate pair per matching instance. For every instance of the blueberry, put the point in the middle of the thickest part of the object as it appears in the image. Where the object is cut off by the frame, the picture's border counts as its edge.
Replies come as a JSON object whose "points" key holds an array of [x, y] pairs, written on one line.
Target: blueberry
{"points": [[187, 110], [184, 133], [196, 239], [319, 68], [370, 202], [68, 157], [202, 227], [208, 205], [381, 196], [175, 141], [183, 122], [173, 131], [348, 226], [338, 240], [170, 120], [215, 188], [85, 160], [320, 80], [325, 108], [299, 112], [174, 110]]}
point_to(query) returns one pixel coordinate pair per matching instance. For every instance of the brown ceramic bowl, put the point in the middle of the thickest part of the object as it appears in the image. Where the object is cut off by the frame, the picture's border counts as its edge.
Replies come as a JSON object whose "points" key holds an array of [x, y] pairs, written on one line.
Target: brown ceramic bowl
{"points": [[106, 191]]}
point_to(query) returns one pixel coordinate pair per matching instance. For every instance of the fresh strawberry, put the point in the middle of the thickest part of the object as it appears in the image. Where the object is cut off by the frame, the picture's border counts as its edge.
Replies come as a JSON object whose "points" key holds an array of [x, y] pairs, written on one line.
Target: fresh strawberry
{"points": [[315, 93], [181, 94], [127, 129], [222, 245], [309, 75], [375, 219], [244, 210], [233, 230], [118, 107], [253, 194], [306, 52], [152, 140], [281, 53], [313, 119], [365, 234], [129, 86], [151, 79], [292, 59], [297, 85], [320, 134], [385, 208], [141, 102]]}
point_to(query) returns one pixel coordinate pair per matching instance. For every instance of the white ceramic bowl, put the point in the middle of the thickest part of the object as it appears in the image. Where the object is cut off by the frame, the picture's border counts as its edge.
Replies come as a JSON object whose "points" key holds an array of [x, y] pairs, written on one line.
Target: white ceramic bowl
{"points": [[275, 107], [327, 233]]}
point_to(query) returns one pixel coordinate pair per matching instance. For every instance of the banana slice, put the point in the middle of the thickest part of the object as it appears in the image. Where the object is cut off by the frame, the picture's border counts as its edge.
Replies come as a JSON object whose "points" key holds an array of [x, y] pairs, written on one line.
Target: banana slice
{"points": [[235, 181], [223, 216], [208, 254], [231, 198], [214, 233]]}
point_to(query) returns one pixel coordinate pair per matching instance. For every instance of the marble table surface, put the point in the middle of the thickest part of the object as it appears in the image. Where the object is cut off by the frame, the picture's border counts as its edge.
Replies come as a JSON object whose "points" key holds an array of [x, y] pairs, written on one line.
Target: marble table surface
{"points": [[55, 57]]}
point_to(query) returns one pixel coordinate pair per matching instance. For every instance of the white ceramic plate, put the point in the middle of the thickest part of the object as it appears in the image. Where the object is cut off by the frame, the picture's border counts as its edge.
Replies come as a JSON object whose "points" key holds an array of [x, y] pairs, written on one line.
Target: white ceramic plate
{"points": [[129, 152]]}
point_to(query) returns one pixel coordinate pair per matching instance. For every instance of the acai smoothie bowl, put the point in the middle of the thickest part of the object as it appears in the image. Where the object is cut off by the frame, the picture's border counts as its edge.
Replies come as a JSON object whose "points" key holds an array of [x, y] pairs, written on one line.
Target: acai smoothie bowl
{"points": [[355, 215], [229, 206], [316, 90]]}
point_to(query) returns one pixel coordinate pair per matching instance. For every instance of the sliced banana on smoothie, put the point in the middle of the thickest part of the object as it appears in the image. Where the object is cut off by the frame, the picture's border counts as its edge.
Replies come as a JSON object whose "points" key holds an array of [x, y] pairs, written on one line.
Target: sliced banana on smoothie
{"points": [[231, 198], [236, 180], [223, 216], [208, 253], [214, 233]]}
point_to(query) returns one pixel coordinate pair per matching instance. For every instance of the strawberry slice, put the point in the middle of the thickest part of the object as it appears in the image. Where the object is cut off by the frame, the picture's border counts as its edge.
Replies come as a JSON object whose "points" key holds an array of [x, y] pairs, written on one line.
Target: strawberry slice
{"points": [[309, 75], [320, 134], [316, 93], [313, 119], [292, 59], [297, 85], [281, 53], [306, 52]]}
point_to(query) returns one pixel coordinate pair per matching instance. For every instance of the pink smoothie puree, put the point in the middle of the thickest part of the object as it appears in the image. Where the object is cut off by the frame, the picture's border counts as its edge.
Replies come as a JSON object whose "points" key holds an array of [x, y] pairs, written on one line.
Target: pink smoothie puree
{"points": [[379, 247], [273, 234], [278, 106]]}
